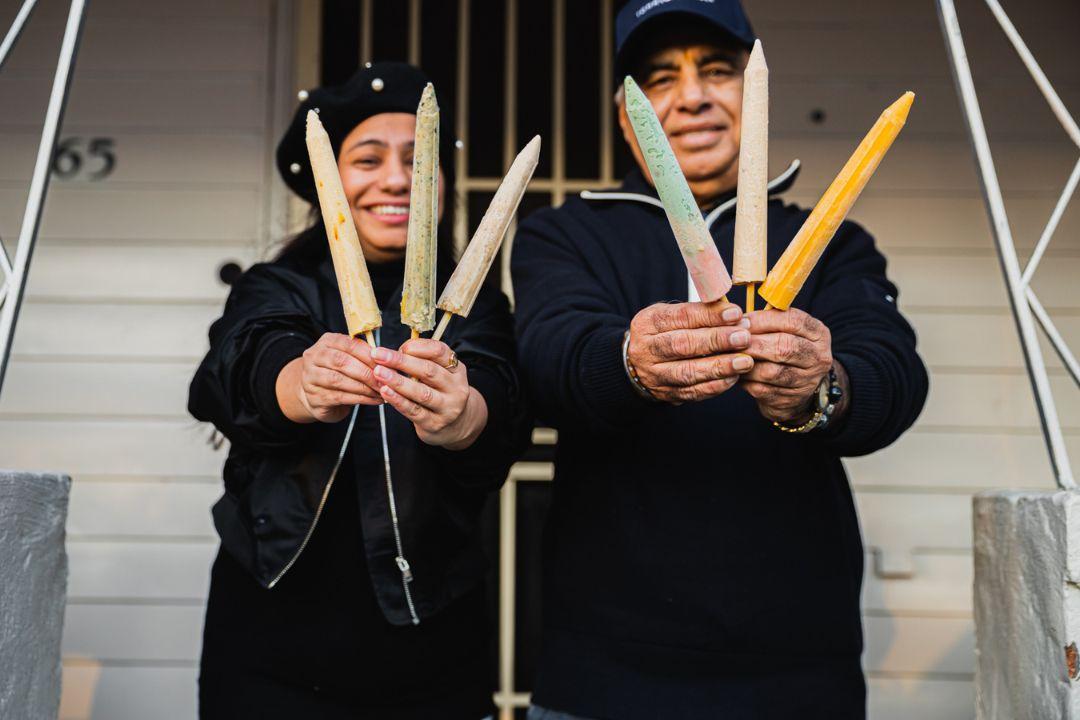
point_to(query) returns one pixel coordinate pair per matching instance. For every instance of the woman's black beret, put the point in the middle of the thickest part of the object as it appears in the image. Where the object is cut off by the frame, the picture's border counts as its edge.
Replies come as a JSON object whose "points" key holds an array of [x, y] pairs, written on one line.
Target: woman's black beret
{"points": [[375, 88]]}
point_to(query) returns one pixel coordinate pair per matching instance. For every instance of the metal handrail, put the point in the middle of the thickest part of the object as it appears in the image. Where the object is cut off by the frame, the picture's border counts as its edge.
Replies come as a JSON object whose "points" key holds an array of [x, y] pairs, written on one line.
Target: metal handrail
{"points": [[1025, 305], [15, 271]]}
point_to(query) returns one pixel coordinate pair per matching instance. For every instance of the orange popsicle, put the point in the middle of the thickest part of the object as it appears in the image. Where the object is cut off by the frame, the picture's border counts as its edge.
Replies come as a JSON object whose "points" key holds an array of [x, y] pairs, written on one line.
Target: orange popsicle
{"points": [[791, 270]]}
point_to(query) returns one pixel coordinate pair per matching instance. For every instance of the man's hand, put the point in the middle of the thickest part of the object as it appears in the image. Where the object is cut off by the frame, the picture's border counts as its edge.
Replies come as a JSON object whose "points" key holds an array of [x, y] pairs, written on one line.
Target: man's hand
{"points": [[792, 353], [685, 352]]}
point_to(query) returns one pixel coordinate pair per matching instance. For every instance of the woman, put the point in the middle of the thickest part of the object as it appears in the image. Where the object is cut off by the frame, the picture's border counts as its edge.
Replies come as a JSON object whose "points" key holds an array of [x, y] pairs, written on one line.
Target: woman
{"points": [[349, 580]]}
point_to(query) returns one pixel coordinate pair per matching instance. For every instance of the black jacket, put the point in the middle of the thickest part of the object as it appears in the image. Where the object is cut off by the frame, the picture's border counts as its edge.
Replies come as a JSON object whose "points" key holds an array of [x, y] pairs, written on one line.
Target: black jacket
{"points": [[276, 472], [694, 555]]}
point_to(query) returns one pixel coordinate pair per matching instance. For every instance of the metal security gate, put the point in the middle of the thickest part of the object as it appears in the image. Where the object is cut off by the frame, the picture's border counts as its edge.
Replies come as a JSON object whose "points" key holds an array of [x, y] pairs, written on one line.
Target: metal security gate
{"points": [[508, 70]]}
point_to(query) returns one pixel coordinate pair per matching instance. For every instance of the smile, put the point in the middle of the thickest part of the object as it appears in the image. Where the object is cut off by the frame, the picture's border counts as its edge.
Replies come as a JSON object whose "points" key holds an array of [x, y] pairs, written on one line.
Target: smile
{"points": [[390, 209]]}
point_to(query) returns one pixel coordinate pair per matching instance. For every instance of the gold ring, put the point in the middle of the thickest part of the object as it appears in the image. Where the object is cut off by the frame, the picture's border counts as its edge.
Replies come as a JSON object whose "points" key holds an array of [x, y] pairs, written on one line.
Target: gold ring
{"points": [[453, 363]]}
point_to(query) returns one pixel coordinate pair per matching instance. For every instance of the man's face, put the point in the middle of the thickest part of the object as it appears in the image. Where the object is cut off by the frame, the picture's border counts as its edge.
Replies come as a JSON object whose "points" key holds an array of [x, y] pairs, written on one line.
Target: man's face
{"points": [[695, 87]]}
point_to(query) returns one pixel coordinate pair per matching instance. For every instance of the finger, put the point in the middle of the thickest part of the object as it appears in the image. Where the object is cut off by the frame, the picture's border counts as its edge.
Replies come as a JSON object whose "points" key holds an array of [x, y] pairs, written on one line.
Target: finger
{"points": [[336, 398], [403, 405], [434, 350], [687, 373], [426, 371], [680, 344], [784, 348], [773, 394], [793, 321], [354, 346], [782, 377], [342, 361], [410, 389], [704, 391], [332, 379], [665, 317]]}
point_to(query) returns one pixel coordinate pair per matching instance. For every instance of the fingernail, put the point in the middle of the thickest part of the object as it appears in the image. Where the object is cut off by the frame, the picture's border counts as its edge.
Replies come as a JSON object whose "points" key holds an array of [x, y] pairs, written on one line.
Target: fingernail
{"points": [[383, 373], [742, 362], [731, 314], [745, 322], [740, 337], [381, 354]]}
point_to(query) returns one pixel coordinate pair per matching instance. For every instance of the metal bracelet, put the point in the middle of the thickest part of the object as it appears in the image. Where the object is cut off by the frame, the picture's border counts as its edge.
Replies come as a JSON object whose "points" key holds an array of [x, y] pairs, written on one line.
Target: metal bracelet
{"points": [[631, 373]]}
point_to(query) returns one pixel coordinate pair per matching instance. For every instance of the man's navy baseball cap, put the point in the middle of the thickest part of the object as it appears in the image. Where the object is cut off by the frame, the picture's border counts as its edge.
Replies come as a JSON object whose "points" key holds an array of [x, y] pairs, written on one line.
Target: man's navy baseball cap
{"points": [[728, 16]]}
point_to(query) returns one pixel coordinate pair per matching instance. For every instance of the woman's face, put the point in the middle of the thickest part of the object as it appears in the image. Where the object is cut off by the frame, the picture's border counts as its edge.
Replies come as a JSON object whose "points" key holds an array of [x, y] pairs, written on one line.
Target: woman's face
{"points": [[375, 164]]}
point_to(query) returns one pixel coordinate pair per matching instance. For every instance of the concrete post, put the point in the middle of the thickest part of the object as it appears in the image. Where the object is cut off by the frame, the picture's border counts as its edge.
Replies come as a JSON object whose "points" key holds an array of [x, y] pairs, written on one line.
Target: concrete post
{"points": [[33, 591], [1027, 605]]}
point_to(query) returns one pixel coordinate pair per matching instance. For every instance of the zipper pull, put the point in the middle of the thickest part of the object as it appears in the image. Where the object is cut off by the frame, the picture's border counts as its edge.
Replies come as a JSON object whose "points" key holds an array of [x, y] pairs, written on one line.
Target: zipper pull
{"points": [[403, 566]]}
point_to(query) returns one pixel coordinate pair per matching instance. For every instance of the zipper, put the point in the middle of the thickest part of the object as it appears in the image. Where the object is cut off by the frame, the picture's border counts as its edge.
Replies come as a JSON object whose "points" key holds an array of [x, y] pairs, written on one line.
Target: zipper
{"points": [[780, 183], [322, 501], [402, 563]]}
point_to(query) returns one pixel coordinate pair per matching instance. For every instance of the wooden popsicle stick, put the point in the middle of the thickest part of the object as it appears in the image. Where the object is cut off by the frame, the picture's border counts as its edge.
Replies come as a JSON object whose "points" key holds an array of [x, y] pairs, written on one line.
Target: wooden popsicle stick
{"points": [[441, 327], [414, 334], [768, 306], [370, 337], [750, 297]]}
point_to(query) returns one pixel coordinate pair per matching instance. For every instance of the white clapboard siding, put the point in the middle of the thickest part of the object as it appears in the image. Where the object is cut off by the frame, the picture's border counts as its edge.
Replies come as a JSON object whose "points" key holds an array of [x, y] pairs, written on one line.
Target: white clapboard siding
{"points": [[136, 633], [166, 448], [148, 570], [142, 508], [96, 212], [996, 401], [916, 220], [929, 166], [97, 389], [902, 522], [904, 644], [204, 9], [175, 160], [122, 332], [941, 583], [147, 272], [904, 698], [958, 340], [1043, 18], [939, 458], [967, 280], [116, 44], [227, 101], [848, 107], [894, 52], [93, 691]]}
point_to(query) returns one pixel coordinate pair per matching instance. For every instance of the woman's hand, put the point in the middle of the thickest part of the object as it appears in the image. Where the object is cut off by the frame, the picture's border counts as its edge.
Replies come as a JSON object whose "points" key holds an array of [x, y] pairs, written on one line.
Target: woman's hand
{"points": [[330, 378], [425, 383]]}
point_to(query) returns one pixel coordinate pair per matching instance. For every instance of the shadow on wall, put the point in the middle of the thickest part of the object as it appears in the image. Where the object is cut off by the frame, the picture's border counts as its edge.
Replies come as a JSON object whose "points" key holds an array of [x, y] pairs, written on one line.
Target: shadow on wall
{"points": [[81, 678]]}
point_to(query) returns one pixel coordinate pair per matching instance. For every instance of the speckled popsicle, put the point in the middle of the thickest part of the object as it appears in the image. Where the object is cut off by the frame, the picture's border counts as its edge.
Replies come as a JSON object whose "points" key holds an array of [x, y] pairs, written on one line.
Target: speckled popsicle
{"points": [[751, 208], [464, 285], [791, 270], [357, 296], [707, 269], [418, 292]]}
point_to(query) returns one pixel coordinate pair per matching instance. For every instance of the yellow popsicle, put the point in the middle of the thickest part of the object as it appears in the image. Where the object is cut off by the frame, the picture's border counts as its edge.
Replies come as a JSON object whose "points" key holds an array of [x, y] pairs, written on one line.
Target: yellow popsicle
{"points": [[791, 270], [357, 295]]}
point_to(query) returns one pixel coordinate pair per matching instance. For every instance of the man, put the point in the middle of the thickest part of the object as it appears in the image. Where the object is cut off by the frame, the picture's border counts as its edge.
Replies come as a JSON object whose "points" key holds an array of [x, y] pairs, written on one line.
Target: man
{"points": [[702, 554]]}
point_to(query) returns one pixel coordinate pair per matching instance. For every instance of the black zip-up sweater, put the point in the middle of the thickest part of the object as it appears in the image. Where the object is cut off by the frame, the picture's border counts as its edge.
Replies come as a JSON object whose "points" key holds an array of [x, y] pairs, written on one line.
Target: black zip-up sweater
{"points": [[698, 562]]}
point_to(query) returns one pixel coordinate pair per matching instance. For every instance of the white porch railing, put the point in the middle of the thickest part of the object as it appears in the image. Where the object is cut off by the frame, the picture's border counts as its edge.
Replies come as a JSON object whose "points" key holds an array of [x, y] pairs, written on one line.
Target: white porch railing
{"points": [[1027, 310]]}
